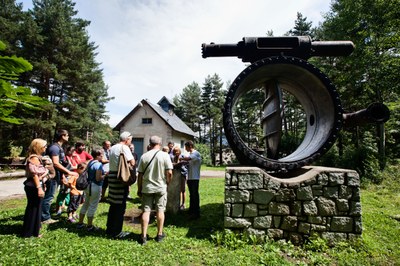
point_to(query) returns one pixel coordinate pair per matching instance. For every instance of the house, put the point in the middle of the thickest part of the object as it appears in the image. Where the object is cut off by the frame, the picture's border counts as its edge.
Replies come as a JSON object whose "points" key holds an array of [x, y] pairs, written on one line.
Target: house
{"points": [[148, 119]]}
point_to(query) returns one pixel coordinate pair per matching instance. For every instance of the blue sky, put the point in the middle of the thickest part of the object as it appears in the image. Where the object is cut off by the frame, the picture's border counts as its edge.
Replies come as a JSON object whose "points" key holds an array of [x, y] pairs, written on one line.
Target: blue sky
{"points": [[150, 49]]}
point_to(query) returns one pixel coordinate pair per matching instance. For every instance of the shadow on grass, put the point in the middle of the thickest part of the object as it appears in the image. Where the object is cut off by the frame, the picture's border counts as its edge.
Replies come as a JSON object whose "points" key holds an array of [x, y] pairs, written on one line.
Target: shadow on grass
{"points": [[11, 225], [211, 220]]}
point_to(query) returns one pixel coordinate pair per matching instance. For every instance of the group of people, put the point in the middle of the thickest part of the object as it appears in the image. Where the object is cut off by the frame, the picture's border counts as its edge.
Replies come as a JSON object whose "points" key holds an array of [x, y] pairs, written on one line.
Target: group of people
{"points": [[49, 167]]}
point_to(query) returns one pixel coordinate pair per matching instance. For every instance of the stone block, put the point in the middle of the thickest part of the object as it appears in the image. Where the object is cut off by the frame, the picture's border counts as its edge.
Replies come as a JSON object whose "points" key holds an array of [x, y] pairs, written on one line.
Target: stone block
{"points": [[279, 208], [273, 185], [353, 179], [318, 228], [263, 196], [357, 225], [295, 208], [285, 195], [277, 221], [236, 223], [336, 179], [342, 224], [275, 233], [304, 228], [322, 179], [263, 222], [227, 209], [228, 179], [289, 223], [355, 208], [316, 220], [237, 196], [342, 205], [237, 210], [331, 192], [310, 208], [345, 192], [250, 210], [250, 181], [305, 193], [326, 207]]}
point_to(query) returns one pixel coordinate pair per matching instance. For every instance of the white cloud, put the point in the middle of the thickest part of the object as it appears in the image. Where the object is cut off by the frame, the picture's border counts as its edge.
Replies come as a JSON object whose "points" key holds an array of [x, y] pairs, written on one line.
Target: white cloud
{"points": [[150, 49]]}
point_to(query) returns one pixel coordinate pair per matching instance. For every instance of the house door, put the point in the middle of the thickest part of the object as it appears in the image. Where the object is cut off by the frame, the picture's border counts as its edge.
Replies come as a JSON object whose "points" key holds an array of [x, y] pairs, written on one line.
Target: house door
{"points": [[139, 148]]}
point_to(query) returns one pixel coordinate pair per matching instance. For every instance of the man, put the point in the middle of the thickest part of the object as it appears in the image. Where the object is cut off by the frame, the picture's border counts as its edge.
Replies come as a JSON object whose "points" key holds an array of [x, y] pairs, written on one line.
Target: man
{"points": [[83, 155], [171, 145], [57, 155], [106, 167], [155, 173], [118, 192], [194, 159]]}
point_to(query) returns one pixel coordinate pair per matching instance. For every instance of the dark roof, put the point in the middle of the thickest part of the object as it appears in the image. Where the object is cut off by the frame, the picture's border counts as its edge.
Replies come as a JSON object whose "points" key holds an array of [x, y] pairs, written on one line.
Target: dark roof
{"points": [[170, 118]]}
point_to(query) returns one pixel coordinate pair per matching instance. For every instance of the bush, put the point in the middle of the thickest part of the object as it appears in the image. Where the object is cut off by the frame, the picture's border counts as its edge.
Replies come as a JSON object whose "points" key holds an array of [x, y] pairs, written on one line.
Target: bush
{"points": [[205, 153]]}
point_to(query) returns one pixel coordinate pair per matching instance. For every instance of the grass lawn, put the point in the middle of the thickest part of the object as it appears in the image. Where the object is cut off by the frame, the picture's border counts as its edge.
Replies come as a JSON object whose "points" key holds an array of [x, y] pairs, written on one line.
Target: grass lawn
{"points": [[201, 242]]}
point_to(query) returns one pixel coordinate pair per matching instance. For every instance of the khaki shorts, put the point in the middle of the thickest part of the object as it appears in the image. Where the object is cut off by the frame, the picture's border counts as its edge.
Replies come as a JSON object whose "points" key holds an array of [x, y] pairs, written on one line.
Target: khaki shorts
{"points": [[159, 200]]}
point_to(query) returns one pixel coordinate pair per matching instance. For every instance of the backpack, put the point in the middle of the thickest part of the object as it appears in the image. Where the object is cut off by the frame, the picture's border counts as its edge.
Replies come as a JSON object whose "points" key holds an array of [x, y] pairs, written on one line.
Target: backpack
{"points": [[83, 180]]}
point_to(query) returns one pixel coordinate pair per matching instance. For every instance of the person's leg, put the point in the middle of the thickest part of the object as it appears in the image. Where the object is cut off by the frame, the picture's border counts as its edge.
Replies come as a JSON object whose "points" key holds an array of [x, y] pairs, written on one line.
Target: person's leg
{"points": [[51, 187], [191, 187], [145, 223], [161, 203], [196, 198], [104, 188], [92, 202], [28, 225], [160, 222], [84, 209]]}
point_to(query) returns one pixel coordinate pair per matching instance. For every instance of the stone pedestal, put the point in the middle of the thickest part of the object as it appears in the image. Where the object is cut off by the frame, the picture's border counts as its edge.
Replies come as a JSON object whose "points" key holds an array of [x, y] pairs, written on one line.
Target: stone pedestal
{"points": [[174, 189], [313, 200]]}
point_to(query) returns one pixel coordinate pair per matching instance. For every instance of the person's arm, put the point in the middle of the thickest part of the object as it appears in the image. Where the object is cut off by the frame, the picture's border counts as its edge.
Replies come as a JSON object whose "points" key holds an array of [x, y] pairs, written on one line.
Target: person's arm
{"points": [[36, 178], [168, 175], [88, 156], [139, 184], [57, 164]]}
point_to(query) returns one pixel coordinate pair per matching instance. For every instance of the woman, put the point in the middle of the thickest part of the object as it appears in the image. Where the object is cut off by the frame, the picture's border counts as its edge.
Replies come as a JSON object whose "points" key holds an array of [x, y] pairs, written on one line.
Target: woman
{"points": [[93, 191], [182, 167], [36, 176]]}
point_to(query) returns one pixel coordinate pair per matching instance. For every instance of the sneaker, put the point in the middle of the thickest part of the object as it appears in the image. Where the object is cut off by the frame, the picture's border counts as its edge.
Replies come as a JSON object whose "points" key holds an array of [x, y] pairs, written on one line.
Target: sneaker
{"points": [[143, 240], [49, 221], [58, 214], [182, 207], [80, 225], [160, 238], [92, 228], [122, 235], [71, 220]]}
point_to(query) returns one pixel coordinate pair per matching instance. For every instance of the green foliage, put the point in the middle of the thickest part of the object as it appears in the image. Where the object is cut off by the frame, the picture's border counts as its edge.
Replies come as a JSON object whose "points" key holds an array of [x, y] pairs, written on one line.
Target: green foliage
{"points": [[15, 151], [15, 99], [65, 72], [205, 153]]}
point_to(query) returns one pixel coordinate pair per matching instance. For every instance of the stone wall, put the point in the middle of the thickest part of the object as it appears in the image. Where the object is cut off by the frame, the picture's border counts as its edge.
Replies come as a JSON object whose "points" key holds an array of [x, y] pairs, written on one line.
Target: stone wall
{"points": [[316, 200]]}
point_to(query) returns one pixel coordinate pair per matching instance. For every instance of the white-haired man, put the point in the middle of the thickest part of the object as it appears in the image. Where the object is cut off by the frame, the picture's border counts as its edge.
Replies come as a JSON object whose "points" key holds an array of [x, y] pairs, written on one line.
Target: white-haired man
{"points": [[117, 191]]}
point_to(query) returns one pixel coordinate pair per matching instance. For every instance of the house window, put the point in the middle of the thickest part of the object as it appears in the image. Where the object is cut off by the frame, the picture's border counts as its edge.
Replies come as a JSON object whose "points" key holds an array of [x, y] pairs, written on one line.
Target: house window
{"points": [[147, 121]]}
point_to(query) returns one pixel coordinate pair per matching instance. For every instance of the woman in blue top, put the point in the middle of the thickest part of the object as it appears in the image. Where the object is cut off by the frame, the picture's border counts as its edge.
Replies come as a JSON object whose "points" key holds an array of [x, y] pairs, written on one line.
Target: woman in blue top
{"points": [[93, 191]]}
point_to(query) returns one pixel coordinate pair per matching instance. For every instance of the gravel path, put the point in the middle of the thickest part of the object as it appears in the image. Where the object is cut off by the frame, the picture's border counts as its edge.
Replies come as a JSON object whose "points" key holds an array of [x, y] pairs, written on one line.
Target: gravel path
{"points": [[13, 187]]}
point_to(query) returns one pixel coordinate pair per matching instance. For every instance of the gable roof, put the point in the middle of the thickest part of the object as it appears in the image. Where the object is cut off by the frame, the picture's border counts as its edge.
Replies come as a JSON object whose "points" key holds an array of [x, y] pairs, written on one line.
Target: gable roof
{"points": [[170, 118]]}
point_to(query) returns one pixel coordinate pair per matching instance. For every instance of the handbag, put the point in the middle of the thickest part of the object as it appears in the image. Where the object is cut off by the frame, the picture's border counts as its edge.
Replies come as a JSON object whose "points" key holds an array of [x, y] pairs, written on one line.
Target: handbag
{"points": [[126, 173]]}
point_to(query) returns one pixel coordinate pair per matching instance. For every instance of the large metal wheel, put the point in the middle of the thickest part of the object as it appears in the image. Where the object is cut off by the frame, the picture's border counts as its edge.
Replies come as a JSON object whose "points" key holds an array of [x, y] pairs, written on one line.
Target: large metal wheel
{"points": [[313, 90]]}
